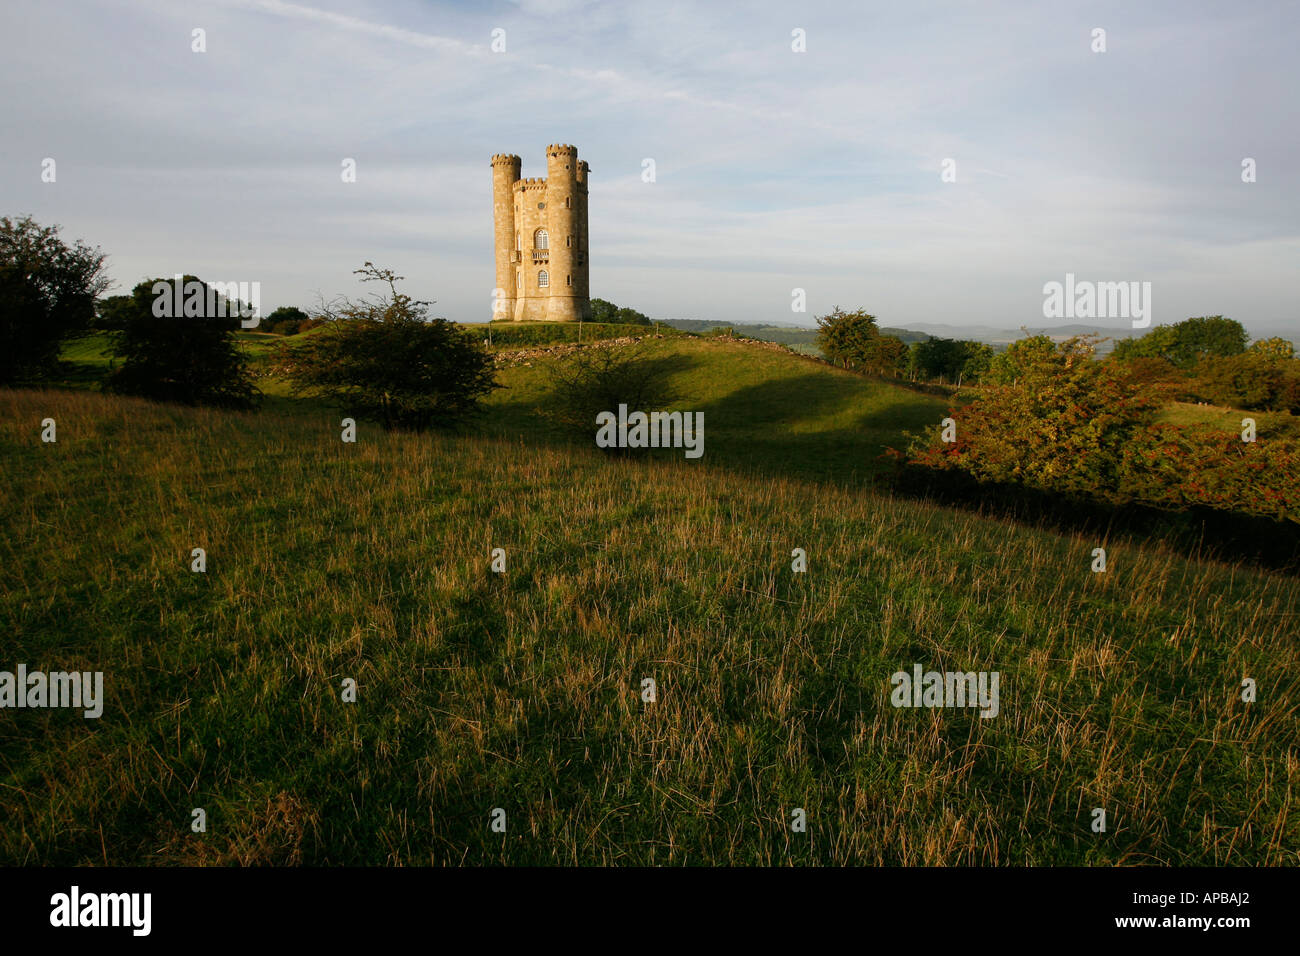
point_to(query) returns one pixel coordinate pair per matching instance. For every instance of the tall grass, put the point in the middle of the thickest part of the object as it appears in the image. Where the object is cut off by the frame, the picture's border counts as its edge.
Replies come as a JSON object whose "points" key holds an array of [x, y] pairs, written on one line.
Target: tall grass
{"points": [[522, 690]]}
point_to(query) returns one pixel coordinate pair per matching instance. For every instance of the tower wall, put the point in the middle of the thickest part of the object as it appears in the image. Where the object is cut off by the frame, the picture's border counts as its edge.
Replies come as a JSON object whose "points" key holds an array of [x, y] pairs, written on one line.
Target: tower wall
{"points": [[562, 224], [505, 173], [582, 254], [530, 194], [557, 204]]}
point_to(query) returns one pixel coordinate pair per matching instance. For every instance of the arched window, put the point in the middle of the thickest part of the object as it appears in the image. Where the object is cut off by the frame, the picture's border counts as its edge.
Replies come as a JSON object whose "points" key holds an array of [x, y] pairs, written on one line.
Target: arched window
{"points": [[543, 280], [540, 240]]}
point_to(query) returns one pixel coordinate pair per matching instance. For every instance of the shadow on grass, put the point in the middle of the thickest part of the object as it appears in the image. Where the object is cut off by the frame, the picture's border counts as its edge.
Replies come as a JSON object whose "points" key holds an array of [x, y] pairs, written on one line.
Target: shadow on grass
{"points": [[754, 430], [1198, 532]]}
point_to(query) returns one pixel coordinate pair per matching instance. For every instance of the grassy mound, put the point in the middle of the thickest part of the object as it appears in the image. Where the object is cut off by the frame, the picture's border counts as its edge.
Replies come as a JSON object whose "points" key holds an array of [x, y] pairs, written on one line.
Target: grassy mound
{"points": [[765, 410]]}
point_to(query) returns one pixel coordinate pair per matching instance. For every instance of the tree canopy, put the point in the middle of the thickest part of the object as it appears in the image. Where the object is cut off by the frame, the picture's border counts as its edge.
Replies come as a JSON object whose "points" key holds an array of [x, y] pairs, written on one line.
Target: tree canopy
{"points": [[47, 293], [189, 359]]}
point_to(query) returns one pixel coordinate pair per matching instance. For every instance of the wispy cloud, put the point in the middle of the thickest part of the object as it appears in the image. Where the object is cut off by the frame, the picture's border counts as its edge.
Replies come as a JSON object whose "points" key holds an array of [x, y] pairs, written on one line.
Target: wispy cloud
{"points": [[774, 168]]}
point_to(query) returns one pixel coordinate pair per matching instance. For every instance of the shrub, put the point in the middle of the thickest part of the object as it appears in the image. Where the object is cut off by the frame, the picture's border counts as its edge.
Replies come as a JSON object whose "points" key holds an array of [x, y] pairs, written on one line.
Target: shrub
{"points": [[1086, 430], [1251, 380], [598, 379], [1062, 426], [1176, 467], [192, 360], [384, 359]]}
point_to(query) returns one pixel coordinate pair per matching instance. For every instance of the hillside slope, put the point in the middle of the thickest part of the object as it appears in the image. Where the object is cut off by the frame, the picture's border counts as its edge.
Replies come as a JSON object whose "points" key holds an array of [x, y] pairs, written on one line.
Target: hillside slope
{"points": [[765, 409], [523, 690]]}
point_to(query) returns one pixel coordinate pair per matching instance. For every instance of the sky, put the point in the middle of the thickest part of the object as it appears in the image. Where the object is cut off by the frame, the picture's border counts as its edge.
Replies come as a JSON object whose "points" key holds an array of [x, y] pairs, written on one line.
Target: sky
{"points": [[774, 169]]}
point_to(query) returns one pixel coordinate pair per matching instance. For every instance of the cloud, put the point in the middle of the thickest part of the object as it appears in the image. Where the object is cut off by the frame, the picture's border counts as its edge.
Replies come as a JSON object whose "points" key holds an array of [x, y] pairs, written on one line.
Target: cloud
{"points": [[775, 169]]}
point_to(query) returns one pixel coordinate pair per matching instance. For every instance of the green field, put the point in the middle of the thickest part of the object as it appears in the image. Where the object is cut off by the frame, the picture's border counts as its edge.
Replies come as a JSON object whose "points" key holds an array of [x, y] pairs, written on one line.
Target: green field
{"points": [[522, 690]]}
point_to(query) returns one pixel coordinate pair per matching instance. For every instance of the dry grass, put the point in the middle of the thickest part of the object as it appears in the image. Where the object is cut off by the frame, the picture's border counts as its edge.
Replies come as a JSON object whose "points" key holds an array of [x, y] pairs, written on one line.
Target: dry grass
{"points": [[521, 690]]}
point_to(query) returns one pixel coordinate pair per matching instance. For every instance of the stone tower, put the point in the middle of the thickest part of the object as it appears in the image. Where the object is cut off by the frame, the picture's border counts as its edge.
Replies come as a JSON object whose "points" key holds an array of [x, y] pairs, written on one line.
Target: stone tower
{"points": [[541, 239]]}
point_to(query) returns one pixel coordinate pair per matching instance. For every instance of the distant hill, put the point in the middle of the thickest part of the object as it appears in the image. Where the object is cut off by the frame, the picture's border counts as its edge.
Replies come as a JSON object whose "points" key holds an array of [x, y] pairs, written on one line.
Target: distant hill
{"points": [[802, 336], [1003, 337], [799, 337]]}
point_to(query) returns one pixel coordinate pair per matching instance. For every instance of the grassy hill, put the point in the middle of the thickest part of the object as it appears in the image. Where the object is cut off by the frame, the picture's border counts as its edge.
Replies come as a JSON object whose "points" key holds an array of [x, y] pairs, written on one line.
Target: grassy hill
{"points": [[522, 690], [764, 410]]}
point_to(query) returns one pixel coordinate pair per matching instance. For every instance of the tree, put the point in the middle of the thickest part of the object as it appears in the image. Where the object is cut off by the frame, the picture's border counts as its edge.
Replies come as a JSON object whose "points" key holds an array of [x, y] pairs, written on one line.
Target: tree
{"points": [[112, 313], [602, 311], [1022, 355], [847, 338], [1275, 348], [979, 359], [47, 293], [888, 356], [1185, 343], [1252, 380], [853, 340], [1160, 343], [190, 359], [385, 359], [952, 360], [628, 316], [286, 320], [1208, 335]]}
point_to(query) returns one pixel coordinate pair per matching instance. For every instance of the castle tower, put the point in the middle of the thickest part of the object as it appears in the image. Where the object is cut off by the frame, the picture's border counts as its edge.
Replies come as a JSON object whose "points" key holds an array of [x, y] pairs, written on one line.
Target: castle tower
{"points": [[505, 173], [542, 257]]}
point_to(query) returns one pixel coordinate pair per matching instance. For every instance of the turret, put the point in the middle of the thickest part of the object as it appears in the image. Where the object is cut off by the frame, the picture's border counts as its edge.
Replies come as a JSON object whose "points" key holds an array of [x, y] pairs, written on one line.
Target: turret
{"points": [[505, 173], [582, 253], [563, 208]]}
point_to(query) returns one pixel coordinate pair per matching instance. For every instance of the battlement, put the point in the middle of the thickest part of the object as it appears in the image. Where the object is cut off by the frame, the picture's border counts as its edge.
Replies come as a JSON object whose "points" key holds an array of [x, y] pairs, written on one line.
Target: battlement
{"points": [[505, 159], [534, 183], [561, 149]]}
